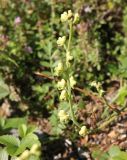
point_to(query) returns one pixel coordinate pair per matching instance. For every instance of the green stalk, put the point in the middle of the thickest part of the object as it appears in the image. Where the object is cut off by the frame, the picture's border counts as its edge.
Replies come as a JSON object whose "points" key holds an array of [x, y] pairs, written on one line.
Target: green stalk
{"points": [[71, 104], [68, 82], [70, 36]]}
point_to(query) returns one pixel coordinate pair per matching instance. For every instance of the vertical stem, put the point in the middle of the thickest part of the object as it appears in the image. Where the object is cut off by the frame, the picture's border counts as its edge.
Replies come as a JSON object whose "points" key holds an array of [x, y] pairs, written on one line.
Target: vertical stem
{"points": [[68, 81], [71, 105], [70, 36]]}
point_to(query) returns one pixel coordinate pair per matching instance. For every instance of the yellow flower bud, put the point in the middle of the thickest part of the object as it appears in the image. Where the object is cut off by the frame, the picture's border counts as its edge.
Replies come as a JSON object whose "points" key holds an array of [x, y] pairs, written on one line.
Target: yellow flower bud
{"points": [[70, 14], [93, 84], [61, 84], [97, 85], [69, 57], [64, 17], [63, 116], [72, 82], [25, 155], [34, 149], [83, 131], [63, 95], [61, 41], [76, 18], [58, 69]]}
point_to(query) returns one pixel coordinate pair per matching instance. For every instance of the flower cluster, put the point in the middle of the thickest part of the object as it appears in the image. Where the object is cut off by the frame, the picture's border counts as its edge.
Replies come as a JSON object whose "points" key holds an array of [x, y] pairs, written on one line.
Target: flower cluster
{"points": [[60, 68], [63, 71], [69, 57], [61, 41], [98, 87], [72, 82], [61, 84], [63, 95], [63, 115], [70, 16]]}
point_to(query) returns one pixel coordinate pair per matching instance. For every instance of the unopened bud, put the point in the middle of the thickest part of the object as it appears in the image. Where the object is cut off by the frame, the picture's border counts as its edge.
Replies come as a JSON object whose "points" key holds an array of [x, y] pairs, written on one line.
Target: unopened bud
{"points": [[64, 17], [76, 18], [63, 95], [83, 131], [72, 82], [61, 41], [61, 84], [58, 69], [63, 115], [70, 14]]}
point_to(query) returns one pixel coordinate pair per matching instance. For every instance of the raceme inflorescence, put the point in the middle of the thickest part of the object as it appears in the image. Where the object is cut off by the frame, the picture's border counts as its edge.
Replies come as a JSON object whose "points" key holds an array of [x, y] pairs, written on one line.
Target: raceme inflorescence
{"points": [[64, 72]]}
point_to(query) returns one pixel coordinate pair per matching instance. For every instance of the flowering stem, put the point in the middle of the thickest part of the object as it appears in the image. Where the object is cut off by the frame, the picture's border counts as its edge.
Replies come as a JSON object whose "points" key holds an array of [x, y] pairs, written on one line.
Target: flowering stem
{"points": [[70, 36], [71, 105], [68, 82]]}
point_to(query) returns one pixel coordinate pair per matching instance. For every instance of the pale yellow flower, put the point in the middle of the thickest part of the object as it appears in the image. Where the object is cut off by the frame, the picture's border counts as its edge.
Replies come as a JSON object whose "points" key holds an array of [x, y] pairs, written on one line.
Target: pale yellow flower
{"points": [[58, 69], [69, 57], [83, 131], [76, 18], [63, 116], [61, 84], [25, 155], [70, 14], [101, 92], [61, 41], [34, 148], [72, 82], [93, 84], [64, 17], [63, 95]]}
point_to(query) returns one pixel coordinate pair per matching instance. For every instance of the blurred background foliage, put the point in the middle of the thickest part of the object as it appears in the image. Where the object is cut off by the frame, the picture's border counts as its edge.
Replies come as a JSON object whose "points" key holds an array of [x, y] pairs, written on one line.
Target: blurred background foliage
{"points": [[28, 33]]}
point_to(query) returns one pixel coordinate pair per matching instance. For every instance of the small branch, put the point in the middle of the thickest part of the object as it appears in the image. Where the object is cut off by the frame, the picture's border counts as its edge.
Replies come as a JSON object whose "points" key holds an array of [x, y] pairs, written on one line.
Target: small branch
{"points": [[103, 125], [43, 75]]}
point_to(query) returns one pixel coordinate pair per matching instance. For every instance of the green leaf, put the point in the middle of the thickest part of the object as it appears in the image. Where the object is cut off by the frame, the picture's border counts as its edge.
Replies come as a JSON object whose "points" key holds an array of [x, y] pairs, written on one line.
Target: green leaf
{"points": [[121, 95], [22, 130], [14, 122], [114, 150], [27, 142], [9, 59], [120, 156], [2, 123], [11, 150], [98, 154], [4, 89], [57, 127], [45, 64], [31, 129], [9, 140], [3, 154]]}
